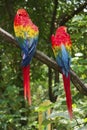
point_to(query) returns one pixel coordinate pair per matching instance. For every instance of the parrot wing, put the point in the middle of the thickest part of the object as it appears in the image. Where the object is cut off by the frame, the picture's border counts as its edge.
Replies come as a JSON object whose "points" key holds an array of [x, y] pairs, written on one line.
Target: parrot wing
{"points": [[63, 59], [28, 50]]}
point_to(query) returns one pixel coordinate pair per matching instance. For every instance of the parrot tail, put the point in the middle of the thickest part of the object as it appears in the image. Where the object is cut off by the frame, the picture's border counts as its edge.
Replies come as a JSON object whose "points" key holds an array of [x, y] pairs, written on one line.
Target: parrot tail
{"points": [[66, 81], [26, 82]]}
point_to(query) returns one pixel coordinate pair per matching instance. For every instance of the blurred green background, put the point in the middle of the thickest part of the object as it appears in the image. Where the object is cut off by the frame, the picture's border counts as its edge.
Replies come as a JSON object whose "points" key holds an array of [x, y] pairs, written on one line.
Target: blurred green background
{"points": [[15, 114]]}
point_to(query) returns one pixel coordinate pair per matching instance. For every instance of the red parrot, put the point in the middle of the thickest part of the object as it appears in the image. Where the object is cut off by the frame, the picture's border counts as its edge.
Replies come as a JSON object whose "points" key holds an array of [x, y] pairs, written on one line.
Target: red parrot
{"points": [[27, 37], [61, 45]]}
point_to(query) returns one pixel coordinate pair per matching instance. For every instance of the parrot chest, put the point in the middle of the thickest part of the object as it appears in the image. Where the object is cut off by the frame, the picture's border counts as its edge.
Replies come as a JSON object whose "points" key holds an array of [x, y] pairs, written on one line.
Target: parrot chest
{"points": [[25, 32]]}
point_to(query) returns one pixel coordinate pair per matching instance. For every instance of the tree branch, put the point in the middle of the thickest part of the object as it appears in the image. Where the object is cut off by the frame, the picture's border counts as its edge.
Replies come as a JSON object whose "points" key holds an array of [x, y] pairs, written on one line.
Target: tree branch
{"points": [[67, 17], [53, 17], [50, 74], [49, 62]]}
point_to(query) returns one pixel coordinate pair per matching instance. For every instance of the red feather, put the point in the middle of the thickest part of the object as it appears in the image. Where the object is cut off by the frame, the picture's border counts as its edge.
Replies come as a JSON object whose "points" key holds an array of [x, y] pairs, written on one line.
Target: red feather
{"points": [[66, 81], [26, 82]]}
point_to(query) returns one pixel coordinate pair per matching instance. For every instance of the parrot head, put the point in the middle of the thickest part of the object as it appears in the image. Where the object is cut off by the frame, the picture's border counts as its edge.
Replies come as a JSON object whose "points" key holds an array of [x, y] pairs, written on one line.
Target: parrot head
{"points": [[21, 17], [61, 29], [22, 12], [61, 37]]}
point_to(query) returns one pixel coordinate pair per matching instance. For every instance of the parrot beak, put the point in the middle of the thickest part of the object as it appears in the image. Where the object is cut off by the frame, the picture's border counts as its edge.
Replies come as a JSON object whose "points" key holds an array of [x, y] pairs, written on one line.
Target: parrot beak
{"points": [[65, 28]]}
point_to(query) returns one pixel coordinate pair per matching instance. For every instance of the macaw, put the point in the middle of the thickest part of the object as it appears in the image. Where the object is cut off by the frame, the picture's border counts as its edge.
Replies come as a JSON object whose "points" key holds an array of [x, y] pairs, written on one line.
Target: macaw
{"points": [[61, 46], [27, 37]]}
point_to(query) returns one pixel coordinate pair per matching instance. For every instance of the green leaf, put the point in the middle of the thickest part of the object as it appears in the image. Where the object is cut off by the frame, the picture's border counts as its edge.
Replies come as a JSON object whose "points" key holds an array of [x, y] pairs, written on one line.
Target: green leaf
{"points": [[59, 114]]}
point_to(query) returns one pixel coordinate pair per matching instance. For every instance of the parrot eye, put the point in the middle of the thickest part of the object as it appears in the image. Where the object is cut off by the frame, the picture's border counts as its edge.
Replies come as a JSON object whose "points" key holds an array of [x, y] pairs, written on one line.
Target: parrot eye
{"points": [[19, 14]]}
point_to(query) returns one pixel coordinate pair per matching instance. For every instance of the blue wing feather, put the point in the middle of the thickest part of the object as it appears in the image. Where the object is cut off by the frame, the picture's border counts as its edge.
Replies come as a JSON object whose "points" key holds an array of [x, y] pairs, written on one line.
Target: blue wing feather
{"points": [[28, 47], [63, 59], [30, 52]]}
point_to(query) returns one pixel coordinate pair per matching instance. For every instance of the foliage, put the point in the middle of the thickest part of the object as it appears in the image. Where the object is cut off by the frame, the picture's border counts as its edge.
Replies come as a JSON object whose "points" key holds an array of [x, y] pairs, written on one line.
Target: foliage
{"points": [[15, 113]]}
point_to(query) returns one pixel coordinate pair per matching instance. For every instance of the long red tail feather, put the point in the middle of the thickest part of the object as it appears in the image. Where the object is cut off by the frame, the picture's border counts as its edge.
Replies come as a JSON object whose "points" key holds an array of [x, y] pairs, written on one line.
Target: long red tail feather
{"points": [[26, 82], [66, 81]]}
